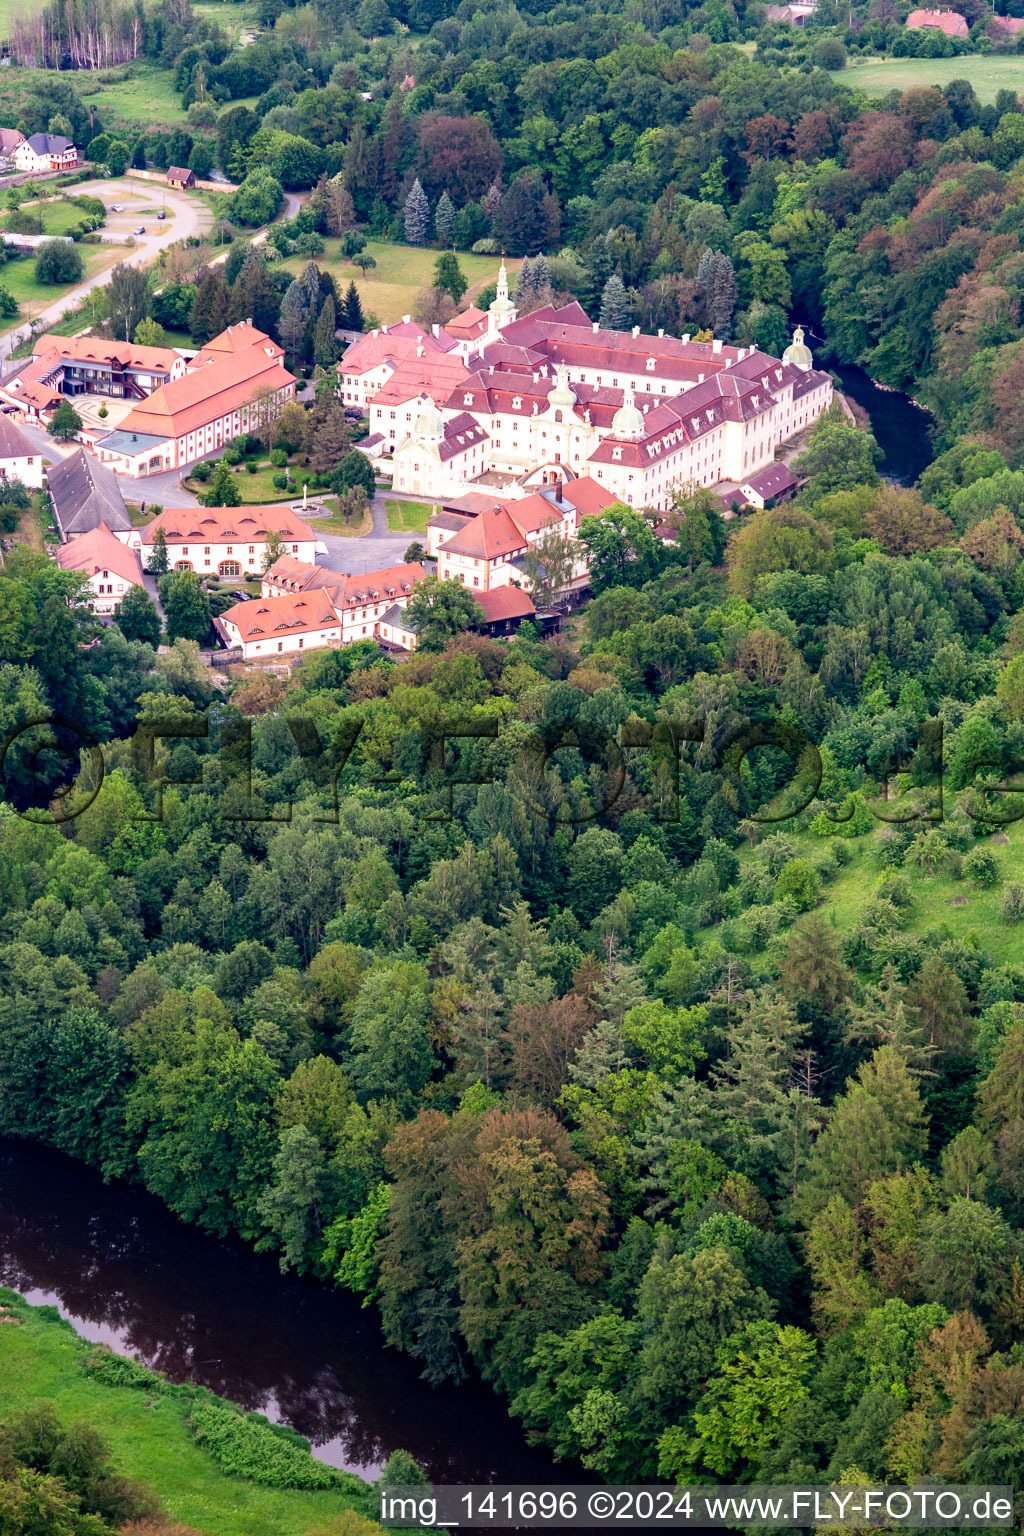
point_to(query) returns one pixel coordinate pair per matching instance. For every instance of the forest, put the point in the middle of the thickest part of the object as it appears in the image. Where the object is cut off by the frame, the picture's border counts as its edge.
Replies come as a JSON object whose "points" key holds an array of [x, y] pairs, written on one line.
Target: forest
{"points": [[562, 1065], [669, 1075]]}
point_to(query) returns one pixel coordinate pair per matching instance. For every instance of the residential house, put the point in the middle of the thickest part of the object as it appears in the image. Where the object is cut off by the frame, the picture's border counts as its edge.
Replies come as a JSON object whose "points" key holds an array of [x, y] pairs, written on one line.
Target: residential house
{"points": [[181, 177], [79, 365], [112, 568], [45, 152], [19, 459], [950, 23]]}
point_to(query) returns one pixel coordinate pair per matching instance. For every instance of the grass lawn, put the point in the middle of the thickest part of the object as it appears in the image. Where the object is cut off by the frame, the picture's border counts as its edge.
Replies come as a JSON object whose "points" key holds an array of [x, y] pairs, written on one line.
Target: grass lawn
{"points": [[256, 489], [236, 17], [988, 73], [390, 289], [40, 1359], [57, 217], [409, 516], [18, 276], [352, 530]]}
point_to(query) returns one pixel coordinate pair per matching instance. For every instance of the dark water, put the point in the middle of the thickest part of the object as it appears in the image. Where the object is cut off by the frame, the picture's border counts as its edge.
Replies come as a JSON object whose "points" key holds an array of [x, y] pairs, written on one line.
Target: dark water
{"points": [[903, 429], [125, 1272]]}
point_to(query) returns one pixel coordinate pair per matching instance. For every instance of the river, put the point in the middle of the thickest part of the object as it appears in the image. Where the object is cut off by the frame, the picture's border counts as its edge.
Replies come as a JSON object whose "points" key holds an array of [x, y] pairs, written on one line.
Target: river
{"points": [[902, 429], [127, 1273]]}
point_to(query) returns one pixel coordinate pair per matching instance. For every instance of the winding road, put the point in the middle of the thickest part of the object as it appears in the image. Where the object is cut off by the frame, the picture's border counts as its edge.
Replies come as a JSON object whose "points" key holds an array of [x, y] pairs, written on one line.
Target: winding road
{"points": [[190, 217]]}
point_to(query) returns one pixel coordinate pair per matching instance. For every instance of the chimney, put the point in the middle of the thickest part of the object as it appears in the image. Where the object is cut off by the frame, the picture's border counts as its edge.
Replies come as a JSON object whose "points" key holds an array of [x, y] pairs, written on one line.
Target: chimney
{"points": [[596, 327], [497, 511], [419, 349], [700, 378], [716, 345], [661, 334], [558, 491], [636, 332], [406, 319], [685, 339]]}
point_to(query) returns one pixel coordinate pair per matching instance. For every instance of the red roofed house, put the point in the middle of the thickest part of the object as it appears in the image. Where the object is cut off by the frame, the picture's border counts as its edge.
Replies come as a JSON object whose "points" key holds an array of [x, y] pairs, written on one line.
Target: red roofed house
{"points": [[951, 23], [112, 568], [225, 541], [485, 551], [87, 365], [304, 605], [226, 390], [268, 626], [369, 362]]}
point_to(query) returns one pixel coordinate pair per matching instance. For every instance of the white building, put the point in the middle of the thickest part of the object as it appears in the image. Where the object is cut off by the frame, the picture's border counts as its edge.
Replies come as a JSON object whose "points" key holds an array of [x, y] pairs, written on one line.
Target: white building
{"points": [[553, 396], [112, 568], [19, 460]]}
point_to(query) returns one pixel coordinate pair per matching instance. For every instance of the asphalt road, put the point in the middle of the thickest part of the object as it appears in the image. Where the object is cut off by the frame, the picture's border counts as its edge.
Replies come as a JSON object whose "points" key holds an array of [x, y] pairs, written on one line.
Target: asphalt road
{"points": [[372, 552], [190, 217]]}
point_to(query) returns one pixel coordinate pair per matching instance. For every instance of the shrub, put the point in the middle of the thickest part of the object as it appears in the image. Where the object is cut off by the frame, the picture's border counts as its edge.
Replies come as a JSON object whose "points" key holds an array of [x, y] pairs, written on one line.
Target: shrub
{"points": [[247, 1445], [251, 467], [279, 457], [280, 481], [232, 455], [1013, 904], [203, 471], [116, 1371], [485, 247], [800, 882], [982, 868]]}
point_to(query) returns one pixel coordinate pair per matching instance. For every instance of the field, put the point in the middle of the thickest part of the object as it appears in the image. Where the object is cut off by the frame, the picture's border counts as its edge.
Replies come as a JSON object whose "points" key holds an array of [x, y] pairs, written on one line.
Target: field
{"points": [[988, 73], [19, 277], [938, 899], [40, 1359], [389, 290], [408, 516]]}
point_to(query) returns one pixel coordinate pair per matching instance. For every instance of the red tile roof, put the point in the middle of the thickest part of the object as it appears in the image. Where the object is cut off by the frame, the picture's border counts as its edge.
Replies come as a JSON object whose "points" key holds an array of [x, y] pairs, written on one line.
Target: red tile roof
{"points": [[218, 525], [372, 586], [220, 385], [95, 349], [505, 603], [268, 618], [949, 22], [489, 535], [99, 550], [434, 373]]}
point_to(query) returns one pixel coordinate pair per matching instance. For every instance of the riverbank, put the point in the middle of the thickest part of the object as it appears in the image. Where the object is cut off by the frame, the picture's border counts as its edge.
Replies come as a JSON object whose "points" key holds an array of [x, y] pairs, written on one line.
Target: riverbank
{"points": [[146, 1426]]}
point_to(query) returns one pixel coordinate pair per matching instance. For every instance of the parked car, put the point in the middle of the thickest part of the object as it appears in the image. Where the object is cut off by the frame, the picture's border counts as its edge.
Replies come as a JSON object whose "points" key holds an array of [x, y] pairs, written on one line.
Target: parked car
{"points": [[161, 214], [140, 229], [117, 207]]}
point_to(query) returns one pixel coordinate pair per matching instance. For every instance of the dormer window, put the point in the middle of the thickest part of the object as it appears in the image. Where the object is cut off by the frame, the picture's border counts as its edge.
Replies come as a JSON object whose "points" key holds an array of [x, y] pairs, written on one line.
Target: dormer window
{"points": [[616, 453], [650, 365], [517, 403], [467, 399]]}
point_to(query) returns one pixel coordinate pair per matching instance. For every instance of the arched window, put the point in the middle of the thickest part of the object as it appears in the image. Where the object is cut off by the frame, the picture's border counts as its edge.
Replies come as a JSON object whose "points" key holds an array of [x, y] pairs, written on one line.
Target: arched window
{"points": [[229, 568], [558, 415], [183, 565]]}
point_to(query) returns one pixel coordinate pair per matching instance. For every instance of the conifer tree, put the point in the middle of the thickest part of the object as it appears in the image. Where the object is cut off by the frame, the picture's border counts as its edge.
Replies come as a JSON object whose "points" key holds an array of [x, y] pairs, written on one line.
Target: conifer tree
{"points": [[223, 491], [294, 315], [211, 308], [615, 315], [158, 557], [524, 288], [352, 312], [325, 343], [541, 274], [444, 219], [417, 215]]}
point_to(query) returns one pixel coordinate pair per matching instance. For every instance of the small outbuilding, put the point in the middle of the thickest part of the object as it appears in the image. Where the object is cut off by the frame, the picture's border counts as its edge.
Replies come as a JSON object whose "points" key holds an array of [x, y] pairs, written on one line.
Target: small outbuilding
{"points": [[179, 176]]}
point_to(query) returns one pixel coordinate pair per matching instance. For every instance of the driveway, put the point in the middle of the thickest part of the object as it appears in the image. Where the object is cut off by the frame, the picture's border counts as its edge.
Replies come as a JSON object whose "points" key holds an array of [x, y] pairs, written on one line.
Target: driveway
{"points": [[372, 552], [140, 199]]}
